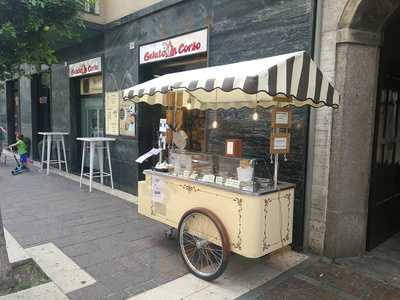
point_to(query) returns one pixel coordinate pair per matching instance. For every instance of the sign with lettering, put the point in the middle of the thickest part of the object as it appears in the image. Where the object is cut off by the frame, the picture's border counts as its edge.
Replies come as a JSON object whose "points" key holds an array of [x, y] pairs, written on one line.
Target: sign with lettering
{"points": [[183, 45], [90, 66], [112, 113], [157, 186], [281, 118], [279, 143]]}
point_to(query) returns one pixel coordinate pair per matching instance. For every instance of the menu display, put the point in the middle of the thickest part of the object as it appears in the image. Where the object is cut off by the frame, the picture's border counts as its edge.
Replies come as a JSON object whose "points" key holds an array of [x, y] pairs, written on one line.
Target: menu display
{"points": [[112, 113]]}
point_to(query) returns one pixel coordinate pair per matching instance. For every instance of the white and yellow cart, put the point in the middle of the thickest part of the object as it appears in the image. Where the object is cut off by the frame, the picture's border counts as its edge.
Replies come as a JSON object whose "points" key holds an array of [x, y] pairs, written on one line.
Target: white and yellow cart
{"points": [[213, 218]]}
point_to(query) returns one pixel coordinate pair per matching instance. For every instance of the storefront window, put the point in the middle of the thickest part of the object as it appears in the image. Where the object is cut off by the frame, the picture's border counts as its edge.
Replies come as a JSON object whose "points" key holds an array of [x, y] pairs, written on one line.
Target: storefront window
{"points": [[92, 7], [92, 106]]}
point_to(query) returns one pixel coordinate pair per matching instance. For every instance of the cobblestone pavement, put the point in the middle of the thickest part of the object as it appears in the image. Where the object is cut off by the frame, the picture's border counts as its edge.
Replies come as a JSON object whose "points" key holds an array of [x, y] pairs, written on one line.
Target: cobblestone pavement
{"points": [[374, 276], [125, 253]]}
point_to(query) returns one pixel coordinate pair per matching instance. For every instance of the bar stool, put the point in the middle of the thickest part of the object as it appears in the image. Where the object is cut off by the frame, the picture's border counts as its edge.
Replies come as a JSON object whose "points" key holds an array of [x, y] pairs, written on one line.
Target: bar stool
{"points": [[58, 138], [96, 143]]}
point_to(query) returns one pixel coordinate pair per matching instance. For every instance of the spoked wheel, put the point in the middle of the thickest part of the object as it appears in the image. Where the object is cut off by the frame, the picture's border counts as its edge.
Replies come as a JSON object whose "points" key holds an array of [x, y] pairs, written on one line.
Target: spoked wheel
{"points": [[203, 243]]}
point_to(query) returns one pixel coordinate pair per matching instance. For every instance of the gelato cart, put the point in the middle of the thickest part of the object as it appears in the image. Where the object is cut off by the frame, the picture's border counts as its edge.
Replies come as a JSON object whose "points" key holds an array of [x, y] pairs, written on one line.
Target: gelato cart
{"points": [[226, 202]]}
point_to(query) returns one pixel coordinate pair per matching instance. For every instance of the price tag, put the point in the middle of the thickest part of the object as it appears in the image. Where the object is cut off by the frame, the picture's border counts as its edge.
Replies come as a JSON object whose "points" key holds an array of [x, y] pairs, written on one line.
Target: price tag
{"points": [[186, 173], [232, 183], [194, 175], [209, 178], [219, 180], [157, 186]]}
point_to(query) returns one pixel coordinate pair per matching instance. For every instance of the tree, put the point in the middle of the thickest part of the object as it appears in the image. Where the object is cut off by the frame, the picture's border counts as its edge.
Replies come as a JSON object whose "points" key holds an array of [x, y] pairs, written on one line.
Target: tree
{"points": [[5, 267], [30, 31]]}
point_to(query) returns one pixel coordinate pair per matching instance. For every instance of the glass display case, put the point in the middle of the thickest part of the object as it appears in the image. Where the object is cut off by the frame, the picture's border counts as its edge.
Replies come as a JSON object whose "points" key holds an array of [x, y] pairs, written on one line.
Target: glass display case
{"points": [[246, 174]]}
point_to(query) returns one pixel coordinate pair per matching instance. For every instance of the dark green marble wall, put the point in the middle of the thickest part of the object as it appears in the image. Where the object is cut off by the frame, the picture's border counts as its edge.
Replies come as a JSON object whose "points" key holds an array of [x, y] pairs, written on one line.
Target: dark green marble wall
{"points": [[239, 30]]}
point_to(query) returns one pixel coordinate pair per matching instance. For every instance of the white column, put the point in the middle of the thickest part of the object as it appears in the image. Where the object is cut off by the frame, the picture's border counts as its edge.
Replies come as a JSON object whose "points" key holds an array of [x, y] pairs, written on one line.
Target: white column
{"points": [[58, 153], [48, 153], [43, 146], [109, 163], [100, 149], [92, 145], [65, 156], [83, 162]]}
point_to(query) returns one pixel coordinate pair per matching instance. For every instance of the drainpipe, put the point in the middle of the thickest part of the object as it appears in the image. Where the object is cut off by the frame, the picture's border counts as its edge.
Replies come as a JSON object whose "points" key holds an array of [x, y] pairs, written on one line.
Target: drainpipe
{"points": [[312, 126]]}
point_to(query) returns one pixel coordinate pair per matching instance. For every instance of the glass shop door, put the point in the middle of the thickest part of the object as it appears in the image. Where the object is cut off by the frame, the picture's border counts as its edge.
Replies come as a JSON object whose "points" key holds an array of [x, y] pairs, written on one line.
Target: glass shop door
{"points": [[91, 111], [92, 116]]}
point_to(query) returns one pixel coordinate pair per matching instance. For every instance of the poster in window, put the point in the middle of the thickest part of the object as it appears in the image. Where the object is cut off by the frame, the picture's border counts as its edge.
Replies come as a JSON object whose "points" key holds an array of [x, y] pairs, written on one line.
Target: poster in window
{"points": [[112, 113], [127, 118]]}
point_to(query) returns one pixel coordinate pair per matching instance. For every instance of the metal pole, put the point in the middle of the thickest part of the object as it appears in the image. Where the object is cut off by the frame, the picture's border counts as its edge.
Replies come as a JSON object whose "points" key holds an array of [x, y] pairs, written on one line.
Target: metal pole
{"points": [[160, 146], [276, 167]]}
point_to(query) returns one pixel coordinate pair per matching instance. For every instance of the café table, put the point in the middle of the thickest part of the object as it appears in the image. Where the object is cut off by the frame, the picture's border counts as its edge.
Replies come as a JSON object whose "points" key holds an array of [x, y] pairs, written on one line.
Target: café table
{"points": [[100, 144], [58, 138]]}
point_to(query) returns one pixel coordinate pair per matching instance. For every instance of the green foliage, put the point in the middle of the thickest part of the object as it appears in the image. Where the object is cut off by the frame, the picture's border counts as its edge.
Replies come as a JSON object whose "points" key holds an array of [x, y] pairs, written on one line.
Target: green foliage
{"points": [[29, 30]]}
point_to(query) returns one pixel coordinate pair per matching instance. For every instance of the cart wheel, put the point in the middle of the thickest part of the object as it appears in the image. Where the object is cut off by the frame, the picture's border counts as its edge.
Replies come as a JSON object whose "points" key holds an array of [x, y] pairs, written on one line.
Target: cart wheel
{"points": [[203, 243]]}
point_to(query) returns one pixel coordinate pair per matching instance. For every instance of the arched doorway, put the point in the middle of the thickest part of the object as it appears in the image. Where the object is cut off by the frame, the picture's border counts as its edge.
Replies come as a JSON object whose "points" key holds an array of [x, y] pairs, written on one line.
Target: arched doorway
{"points": [[358, 50], [384, 199]]}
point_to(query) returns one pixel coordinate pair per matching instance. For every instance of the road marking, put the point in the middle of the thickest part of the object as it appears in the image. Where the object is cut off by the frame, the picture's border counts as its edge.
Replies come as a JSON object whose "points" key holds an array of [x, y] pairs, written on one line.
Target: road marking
{"points": [[16, 253], [241, 276], [48, 291], [65, 273]]}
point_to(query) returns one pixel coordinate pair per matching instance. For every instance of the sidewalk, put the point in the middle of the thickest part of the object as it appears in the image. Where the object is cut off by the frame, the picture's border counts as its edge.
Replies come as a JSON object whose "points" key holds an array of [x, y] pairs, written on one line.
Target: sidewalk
{"points": [[374, 276], [96, 246], [104, 235]]}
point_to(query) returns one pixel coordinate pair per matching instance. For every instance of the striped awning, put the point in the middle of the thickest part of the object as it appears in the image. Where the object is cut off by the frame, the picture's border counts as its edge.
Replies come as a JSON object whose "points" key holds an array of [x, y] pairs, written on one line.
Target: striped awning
{"points": [[289, 79]]}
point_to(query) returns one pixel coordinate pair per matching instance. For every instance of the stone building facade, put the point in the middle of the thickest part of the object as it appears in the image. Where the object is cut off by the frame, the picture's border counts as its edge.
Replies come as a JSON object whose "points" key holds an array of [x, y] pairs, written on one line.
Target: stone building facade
{"points": [[350, 34], [237, 31], [334, 149]]}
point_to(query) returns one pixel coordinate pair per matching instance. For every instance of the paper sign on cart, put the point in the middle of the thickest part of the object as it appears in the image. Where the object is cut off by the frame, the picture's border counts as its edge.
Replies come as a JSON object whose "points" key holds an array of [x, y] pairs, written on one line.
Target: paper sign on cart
{"points": [[145, 156], [157, 187]]}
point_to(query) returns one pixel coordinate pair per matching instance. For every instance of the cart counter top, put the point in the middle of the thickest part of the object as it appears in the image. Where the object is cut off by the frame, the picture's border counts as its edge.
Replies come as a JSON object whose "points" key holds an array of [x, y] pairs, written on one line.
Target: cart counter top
{"points": [[263, 190]]}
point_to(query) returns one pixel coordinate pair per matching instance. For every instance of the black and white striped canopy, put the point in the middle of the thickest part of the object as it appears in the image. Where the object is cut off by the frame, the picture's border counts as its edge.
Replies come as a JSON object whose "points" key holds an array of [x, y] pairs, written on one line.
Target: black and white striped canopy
{"points": [[289, 79]]}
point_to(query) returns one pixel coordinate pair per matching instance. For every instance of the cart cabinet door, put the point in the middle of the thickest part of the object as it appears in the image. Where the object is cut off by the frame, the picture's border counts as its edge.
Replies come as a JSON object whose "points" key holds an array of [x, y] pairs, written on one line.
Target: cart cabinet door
{"points": [[278, 213], [154, 199]]}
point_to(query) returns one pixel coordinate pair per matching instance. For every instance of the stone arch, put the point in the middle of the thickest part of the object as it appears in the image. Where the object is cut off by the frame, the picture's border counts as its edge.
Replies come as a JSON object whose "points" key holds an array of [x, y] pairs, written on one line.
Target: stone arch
{"points": [[358, 39], [367, 15]]}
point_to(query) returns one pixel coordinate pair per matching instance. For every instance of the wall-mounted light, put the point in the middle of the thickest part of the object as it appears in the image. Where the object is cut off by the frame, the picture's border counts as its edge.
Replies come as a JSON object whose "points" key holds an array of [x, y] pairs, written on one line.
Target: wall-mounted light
{"points": [[255, 116], [214, 124]]}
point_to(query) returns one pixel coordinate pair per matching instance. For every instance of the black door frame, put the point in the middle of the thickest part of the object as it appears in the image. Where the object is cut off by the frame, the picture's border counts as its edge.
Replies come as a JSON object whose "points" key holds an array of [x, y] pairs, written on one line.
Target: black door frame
{"points": [[10, 98]]}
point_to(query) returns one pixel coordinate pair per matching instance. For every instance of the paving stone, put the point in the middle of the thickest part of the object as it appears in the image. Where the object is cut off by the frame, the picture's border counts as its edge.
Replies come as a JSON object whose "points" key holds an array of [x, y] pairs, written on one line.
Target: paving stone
{"points": [[106, 269], [95, 291], [316, 279], [339, 275], [102, 234], [142, 287]]}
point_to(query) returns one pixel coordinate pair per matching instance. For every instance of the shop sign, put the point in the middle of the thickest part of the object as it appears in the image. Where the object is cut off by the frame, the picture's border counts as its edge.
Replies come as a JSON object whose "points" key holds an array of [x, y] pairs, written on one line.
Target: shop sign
{"points": [[188, 44], [90, 66]]}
